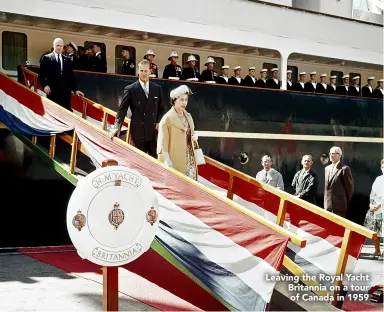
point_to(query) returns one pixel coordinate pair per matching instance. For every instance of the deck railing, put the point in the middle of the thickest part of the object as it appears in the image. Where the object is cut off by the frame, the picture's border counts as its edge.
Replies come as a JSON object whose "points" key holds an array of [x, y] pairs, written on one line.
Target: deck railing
{"points": [[285, 198]]}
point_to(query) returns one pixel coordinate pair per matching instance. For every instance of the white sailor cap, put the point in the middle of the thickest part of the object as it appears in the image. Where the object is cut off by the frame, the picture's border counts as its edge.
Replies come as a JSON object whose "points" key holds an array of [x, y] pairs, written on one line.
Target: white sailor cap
{"points": [[252, 68], [209, 60], [149, 52], [225, 67], [289, 71], [333, 77], [356, 77], [264, 70], [73, 45], [274, 69], [191, 58], [313, 73], [173, 54], [345, 76], [302, 73], [236, 67], [323, 75], [380, 80], [183, 89], [371, 78]]}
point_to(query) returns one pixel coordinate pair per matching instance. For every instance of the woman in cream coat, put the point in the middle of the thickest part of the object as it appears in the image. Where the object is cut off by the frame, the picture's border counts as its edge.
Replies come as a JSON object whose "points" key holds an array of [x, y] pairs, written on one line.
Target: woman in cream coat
{"points": [[175, 143]]}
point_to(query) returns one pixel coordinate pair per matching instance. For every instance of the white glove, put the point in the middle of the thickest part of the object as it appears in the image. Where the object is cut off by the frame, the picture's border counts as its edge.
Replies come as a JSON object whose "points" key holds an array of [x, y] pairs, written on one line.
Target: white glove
{"points": [[195, 137], [167, 160]]}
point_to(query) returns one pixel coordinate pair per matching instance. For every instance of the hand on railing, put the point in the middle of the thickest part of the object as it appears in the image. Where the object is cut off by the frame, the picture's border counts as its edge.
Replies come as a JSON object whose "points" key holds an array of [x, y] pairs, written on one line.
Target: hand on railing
{"points": [[79, 93], [113, 131]]}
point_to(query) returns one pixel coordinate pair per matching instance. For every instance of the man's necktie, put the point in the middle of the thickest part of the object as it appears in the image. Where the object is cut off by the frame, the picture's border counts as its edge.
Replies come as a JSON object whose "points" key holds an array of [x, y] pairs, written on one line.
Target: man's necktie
{"points": [[146, 90], [59, 61]]}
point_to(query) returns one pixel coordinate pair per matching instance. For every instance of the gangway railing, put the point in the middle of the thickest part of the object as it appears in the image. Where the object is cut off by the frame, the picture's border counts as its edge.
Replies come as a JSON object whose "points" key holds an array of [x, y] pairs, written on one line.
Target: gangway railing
{"points": [[76, 146], [282, 205]]}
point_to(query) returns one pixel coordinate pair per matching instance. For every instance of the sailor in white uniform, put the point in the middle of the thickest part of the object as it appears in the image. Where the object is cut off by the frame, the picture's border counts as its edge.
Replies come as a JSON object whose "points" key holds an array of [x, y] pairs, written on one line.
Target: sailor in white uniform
{"points": [[269, 175]]}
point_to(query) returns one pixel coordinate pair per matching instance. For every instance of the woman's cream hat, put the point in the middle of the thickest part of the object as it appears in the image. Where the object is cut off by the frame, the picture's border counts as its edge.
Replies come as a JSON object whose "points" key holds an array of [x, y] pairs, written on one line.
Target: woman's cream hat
{"points": [[183, 89]]}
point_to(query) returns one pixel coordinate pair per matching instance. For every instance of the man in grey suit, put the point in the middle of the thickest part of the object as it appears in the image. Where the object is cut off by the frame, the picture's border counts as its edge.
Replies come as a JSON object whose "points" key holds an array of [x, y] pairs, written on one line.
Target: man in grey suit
{"points": [[144, 98], [269, 175], [305, 181], [338, 188]]}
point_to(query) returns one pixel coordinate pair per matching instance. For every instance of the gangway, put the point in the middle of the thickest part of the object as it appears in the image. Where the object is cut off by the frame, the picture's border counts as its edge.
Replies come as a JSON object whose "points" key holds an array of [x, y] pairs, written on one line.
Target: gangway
{"points": [[258, 237], [284, 209]]}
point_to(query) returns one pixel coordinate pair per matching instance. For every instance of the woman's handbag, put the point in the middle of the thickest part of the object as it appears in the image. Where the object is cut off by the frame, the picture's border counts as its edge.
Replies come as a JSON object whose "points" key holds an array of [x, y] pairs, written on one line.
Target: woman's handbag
{"points": [[199, 156]]}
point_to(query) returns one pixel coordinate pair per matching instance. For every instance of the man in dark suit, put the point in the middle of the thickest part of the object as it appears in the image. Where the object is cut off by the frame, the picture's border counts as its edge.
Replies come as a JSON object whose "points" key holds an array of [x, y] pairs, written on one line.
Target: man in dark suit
{"points": [[145, 100], [56, 76], [99, 60], [305, 181], [339, 187]]}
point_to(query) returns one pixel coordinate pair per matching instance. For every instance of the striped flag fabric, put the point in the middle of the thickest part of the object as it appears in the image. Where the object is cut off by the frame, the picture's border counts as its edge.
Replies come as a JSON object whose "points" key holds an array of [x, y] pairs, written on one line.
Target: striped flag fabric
{"points": [[319, 258], [229, 252]]}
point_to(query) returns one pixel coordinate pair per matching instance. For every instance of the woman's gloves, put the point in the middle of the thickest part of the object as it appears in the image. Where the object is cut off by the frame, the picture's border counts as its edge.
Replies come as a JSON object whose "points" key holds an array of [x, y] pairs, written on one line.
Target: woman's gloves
{"points": [[167, 160], [195, 137]]}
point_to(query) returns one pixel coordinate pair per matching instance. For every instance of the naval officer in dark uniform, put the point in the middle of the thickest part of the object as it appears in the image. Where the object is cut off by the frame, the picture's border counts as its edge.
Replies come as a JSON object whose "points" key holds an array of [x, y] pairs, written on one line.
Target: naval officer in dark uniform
{"points": [[332, 88], [310, 86], [172, 70], [343, 89], [150, 56], [56, 76], [273, 82], [379, 92], [128, 67], [367, 91], [321, 87], [145, 100], [209, 75], [262, 81], [354, 90], [191, 73], [300, 85]]}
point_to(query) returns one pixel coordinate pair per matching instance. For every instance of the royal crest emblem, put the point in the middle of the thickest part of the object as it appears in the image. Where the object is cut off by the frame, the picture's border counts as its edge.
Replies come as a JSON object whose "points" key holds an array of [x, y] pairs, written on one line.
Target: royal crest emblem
{"points": [[152, 216], [78, 220], [116, 216]]}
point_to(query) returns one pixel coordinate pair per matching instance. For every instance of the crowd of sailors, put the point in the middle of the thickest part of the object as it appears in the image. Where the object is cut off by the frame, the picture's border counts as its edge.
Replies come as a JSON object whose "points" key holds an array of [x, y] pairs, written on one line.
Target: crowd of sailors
{"points": [[94, 59]]}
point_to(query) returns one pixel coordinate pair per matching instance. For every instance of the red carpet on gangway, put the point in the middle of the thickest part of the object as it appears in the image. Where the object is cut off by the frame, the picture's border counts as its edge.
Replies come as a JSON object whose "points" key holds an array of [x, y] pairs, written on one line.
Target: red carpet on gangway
{"points": [[160, 284]]}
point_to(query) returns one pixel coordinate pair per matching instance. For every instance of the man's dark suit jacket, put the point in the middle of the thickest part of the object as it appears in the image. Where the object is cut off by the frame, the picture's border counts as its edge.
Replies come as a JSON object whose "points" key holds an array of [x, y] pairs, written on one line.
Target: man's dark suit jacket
{"points": [[306, 189], [338, 189], [60, 82], [100, 63], [146, 112]]}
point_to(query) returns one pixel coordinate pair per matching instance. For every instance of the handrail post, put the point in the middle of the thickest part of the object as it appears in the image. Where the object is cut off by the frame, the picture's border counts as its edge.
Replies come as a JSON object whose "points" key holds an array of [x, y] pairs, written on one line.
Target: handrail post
{"points": [[128, 129], [230, 187], [52, 146], [110, 274], [341, 265], [105, 117], [281, 213], [72, 163], [84, 112]]}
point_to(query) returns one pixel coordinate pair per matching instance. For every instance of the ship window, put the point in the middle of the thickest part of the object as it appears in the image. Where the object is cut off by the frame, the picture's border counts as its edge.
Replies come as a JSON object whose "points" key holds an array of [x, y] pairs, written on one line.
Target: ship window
{"points": [[351, 75], [219, 62], [269, 66], [339, 77], [185, 58], [14, 49], [294, 73], [119, 57]]}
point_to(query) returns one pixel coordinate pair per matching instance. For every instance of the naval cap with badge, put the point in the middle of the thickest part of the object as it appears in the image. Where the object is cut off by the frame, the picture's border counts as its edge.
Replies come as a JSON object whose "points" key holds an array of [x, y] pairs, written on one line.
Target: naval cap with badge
{"points": [[73, 45]]}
